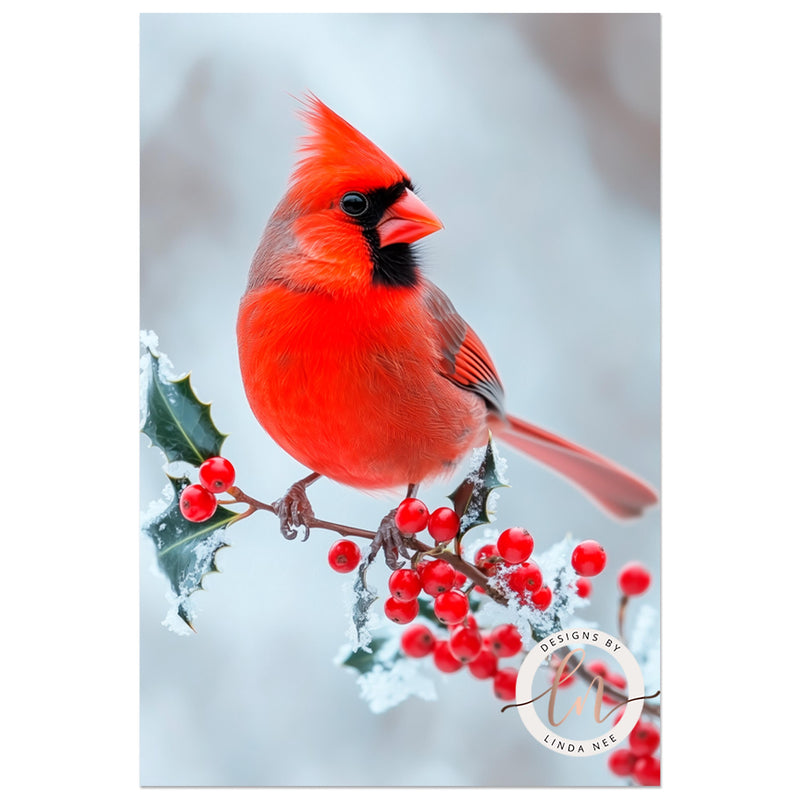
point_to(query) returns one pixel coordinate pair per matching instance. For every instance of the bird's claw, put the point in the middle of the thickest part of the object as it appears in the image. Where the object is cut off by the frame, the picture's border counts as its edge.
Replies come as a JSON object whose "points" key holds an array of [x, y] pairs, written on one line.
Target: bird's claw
{"points": [[393, 543], [294, 512]]}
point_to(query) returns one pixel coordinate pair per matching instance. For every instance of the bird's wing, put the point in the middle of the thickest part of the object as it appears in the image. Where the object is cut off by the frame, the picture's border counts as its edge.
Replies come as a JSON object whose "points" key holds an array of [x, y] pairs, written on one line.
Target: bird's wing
{"points": [[465, 360]]}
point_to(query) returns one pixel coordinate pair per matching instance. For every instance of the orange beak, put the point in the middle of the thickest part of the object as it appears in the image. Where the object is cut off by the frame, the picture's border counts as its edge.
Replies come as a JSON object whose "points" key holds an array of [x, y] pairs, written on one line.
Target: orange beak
{"points": [[406, 221]]}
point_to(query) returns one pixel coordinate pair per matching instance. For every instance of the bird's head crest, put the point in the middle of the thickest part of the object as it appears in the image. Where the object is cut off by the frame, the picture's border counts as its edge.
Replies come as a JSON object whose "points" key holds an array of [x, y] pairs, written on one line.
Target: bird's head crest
{"points": [[335, 156]]}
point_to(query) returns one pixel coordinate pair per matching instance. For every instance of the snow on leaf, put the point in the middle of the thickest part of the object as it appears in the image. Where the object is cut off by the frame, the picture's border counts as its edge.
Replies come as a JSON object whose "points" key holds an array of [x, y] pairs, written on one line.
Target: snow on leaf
{"points": [[471, 497], [186, 551], [172, 416], [387, 677]]}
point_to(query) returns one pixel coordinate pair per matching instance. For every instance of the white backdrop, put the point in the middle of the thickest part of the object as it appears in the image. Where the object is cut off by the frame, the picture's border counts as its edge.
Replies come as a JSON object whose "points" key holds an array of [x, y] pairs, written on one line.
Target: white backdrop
{"points": [[536, 140]]}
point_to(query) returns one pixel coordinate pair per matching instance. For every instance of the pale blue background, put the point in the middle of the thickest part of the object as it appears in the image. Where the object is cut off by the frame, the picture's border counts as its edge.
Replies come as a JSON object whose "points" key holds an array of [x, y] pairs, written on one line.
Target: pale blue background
{"points": [[536, 140]]}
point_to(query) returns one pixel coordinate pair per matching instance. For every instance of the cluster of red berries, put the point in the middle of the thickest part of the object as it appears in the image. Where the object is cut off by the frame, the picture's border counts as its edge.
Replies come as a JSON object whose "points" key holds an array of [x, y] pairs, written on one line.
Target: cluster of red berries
{"points": [[511, 555], [438, 579], [466, 645], [512, 551], [638, 760], [198, 501]]}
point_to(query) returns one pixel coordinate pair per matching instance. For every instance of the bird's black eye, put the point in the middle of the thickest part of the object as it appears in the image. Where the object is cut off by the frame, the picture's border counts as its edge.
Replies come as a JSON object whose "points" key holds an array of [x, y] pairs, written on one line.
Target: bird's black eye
{"points": [[354, 204]]}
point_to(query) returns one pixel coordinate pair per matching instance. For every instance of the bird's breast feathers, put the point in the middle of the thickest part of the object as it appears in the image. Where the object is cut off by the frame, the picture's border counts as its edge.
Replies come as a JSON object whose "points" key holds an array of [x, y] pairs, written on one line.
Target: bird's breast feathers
{"points": [[329, 377]]}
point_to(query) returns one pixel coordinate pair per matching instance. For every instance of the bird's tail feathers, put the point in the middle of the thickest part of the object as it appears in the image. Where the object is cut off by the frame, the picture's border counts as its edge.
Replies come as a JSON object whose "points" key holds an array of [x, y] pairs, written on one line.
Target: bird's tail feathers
{"points": [[615, 489]]}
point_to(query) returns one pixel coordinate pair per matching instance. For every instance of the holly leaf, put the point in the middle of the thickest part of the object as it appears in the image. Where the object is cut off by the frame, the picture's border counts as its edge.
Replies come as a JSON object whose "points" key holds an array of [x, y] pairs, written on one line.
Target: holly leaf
{"points": [[186, 551], [364, 660], [175, 420], [470, 499]]}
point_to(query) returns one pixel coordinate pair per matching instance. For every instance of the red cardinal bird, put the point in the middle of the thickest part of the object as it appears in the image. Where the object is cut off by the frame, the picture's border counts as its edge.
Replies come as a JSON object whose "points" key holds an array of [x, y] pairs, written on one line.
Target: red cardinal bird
{"points": [[356, 364]]}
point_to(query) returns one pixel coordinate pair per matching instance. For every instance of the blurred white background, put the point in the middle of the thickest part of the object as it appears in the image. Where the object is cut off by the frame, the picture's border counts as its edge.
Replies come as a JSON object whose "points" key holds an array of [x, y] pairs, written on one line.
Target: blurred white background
{"points": [[535, 138]]}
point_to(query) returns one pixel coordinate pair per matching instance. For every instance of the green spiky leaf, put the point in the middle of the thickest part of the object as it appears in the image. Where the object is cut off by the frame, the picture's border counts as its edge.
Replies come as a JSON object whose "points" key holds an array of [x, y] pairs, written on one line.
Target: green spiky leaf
{"points": [[176, 421], [364, 660], [186, 551], [470, 499]]}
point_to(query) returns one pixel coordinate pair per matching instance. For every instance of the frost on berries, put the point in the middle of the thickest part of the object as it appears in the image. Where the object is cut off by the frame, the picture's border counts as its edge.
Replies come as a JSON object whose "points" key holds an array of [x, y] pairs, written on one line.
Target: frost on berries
{"points": [[533, 623]]}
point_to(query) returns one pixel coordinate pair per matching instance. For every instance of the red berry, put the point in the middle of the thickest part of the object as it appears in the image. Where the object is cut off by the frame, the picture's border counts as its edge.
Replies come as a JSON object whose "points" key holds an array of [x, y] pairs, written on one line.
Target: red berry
{"points": [[647, 771], [621, 762], [644, 738], [487, 558], [597, 668], [542, 598], [566, 678], [515, 545], [443, 657], [525, 579], [401, 613], [405, 584], [443, 524], [505, 683], [567, 673], [468, 622], [217, 474], [451, 607], [505, 641], [613, 679], [633, 578], [344, 555], [484, 665], [411, 516], [583, 587], [460, 580], [437, 576], [465, 642], [197, 503], [588, 558], [417, 641]]}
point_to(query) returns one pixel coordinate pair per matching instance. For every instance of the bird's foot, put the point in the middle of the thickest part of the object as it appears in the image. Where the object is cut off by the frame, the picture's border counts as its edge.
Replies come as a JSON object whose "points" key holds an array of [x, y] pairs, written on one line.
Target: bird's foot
{"points": [[391, 541], [294, 510]]}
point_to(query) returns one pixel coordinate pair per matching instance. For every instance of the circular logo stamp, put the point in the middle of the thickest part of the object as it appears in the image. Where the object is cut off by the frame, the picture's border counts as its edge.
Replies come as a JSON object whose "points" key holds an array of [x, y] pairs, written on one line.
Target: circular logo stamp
{"points": [[542, 717]]}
